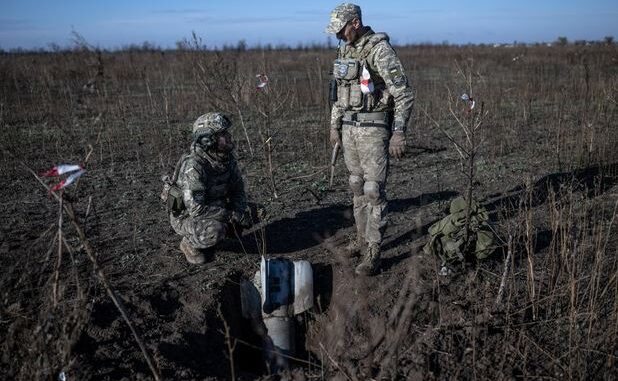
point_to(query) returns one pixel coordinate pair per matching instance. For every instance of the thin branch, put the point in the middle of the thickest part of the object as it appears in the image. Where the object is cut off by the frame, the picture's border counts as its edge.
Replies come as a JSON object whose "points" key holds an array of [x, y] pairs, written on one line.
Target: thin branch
{"points": [[507, 263], [68, 208], [59, 261], [462, 125], [74, 267], [461, 150], [335, 363]]}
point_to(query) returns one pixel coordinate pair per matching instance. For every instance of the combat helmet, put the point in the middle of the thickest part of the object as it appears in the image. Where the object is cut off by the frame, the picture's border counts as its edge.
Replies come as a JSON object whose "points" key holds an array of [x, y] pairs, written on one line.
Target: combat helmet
{"points": [[207, 126]]}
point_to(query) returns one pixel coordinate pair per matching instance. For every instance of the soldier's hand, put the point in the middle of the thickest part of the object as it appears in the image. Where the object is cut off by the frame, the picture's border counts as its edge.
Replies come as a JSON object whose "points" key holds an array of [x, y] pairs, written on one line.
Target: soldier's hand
{"points": [[233, 230], [335, 137], [397, 144], [241, 219]]}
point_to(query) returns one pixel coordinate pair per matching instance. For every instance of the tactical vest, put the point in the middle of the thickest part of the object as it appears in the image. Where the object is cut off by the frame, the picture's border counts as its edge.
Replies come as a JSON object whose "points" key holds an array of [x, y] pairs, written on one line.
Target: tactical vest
{"points": [[347, 70], [216, 179], [216, 184]]}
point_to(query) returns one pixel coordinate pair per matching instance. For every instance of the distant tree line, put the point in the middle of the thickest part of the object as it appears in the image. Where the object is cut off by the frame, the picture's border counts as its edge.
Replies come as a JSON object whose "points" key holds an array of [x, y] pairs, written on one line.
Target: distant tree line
{"points": [[78, 43]]}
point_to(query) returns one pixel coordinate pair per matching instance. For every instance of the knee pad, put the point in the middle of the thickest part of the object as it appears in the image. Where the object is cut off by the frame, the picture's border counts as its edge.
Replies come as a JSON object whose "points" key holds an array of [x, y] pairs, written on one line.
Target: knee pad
{"points": [[356, 184], [371, 189], [213, 233]]}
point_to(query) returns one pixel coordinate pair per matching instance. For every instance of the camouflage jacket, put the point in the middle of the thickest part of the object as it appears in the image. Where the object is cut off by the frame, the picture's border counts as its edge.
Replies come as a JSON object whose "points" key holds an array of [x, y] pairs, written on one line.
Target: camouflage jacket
{"points": [[210, 187], [392, 92]]}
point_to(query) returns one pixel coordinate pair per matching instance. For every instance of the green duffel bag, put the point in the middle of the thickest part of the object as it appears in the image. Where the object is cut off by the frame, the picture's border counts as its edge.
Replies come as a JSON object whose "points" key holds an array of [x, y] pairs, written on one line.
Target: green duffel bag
{"points": [[447, 236]]}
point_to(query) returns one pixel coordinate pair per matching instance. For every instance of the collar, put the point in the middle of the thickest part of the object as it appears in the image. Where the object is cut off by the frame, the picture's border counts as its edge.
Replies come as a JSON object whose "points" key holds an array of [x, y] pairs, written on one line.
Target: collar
{"points": [[366, 32], [216, 161]]}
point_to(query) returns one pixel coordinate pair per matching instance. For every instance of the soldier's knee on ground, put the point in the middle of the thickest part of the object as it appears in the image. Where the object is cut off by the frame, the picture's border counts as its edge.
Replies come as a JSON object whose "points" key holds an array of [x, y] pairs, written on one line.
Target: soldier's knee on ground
{"points": [[372, 192], [213, 233], [356, 184]]}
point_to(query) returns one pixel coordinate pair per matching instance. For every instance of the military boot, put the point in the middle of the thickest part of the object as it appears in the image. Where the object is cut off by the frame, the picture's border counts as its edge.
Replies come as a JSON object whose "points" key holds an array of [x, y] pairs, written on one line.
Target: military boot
{"points": [[371, 261], [192, 254]]}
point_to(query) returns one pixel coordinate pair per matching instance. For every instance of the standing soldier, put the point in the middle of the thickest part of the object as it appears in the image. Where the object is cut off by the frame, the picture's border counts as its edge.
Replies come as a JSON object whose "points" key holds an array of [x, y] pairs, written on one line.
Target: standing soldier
{"points": [[370, 115], [206, 195]]}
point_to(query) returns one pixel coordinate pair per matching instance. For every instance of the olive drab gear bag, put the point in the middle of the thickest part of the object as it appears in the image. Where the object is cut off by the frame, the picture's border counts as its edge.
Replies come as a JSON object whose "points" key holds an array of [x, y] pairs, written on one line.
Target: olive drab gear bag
{"points": [[446, 237], [171, 194]]}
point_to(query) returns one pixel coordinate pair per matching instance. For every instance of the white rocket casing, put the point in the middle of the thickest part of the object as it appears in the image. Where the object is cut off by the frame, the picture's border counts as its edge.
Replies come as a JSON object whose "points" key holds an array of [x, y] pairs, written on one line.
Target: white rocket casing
{"points": [[280, 290]]}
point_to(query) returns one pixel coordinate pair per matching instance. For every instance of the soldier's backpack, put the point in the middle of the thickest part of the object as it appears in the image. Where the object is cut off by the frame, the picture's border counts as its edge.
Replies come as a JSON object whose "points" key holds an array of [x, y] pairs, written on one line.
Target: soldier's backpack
{"points": [[171, 194], [447, 236]]}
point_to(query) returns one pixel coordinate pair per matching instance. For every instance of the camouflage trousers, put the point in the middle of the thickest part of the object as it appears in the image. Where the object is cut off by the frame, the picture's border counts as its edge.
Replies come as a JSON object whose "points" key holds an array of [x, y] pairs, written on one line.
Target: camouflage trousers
{"points": [[201, 232], [365, 150]]}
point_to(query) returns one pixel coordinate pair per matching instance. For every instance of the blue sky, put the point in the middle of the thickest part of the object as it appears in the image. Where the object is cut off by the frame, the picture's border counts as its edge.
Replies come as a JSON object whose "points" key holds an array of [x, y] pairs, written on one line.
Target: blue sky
{"points": [[113, 23]]}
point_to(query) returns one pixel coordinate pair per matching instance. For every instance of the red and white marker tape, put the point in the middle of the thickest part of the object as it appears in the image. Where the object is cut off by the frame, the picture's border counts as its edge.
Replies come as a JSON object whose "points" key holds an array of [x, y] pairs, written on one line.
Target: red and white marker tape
{"points": [[366, 83], [262, 81], [77, 171], [469, 100]]}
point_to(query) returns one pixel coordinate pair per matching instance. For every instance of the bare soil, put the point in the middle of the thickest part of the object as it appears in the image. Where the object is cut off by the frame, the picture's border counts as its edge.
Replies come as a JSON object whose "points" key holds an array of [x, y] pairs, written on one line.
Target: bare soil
{"points": [[547, 175]]}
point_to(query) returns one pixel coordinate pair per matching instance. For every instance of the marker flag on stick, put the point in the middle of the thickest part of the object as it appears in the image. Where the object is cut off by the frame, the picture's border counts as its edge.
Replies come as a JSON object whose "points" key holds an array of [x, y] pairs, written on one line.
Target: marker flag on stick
{"points": [[61, 169], [469, 100], [262, 81], [77, 171]]}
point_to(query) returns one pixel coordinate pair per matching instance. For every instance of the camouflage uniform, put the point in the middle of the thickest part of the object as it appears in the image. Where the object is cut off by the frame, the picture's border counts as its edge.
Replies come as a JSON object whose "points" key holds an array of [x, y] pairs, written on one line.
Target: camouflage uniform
{"points": [[367, 112], [212, 188]]}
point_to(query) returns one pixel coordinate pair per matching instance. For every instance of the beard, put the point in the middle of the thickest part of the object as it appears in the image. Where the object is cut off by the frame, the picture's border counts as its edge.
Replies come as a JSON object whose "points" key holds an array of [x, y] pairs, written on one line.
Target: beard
{"points": [[223, 154], [227, 149]]}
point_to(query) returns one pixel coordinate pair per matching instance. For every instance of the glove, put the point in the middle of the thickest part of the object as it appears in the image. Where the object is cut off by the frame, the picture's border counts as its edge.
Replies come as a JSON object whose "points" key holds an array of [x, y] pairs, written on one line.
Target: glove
{"points": [[236, 224], [335, 137], [397, 144]]}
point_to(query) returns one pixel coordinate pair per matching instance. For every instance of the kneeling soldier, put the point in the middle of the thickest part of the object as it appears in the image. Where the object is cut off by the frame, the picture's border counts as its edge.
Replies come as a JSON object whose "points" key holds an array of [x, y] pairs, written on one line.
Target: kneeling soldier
{"points": [[206, 195]]}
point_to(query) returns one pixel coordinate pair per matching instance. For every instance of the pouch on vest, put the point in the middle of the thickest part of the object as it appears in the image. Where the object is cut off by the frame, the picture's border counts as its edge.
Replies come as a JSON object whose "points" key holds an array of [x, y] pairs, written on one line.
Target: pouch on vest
{"points": [[346, 69], [343, 96], [385, 98], [171, 194], [165, 192], [175, 203], [356, 95]]}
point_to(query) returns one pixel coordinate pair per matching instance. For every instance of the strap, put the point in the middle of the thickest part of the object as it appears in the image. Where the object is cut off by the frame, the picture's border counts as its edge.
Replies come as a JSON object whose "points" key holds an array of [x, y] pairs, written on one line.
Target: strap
{"points": [[177, 168], [376, 117], [373, 40], [363, 124]]}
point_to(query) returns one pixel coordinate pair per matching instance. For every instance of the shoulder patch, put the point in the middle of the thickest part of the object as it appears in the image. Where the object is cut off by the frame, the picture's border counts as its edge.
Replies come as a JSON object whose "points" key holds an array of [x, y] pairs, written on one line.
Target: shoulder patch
{"points": [[400, 80], [397, 75], [192, 171]]}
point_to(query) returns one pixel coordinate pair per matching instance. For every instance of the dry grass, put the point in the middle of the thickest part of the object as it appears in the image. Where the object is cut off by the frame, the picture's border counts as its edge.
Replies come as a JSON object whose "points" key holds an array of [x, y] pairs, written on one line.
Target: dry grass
{"points": [[546, 170]]}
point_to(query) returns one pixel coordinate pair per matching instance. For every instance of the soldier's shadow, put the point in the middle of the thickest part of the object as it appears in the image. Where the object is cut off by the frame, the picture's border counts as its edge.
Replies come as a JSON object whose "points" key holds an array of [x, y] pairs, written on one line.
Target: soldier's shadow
{"points": [[310, 228], [303, 230], [590, 181]]}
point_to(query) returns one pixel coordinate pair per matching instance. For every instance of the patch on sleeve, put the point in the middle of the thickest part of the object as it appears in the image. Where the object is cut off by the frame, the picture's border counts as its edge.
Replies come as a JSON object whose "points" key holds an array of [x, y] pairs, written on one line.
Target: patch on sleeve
{"points": [[398, 77], [192, 172], [400, 80], [192, 178]]}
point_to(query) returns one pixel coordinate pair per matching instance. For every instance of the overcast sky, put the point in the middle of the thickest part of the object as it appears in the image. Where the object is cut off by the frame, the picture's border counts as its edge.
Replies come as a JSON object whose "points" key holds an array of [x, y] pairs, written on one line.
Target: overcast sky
{"points": [[113, 23]]}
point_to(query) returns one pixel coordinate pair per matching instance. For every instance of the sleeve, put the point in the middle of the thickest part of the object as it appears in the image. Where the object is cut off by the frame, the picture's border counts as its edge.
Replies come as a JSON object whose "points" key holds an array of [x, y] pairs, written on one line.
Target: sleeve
{"points": [[238, 197], [336, 114], [389, 67], [192, 180]]}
